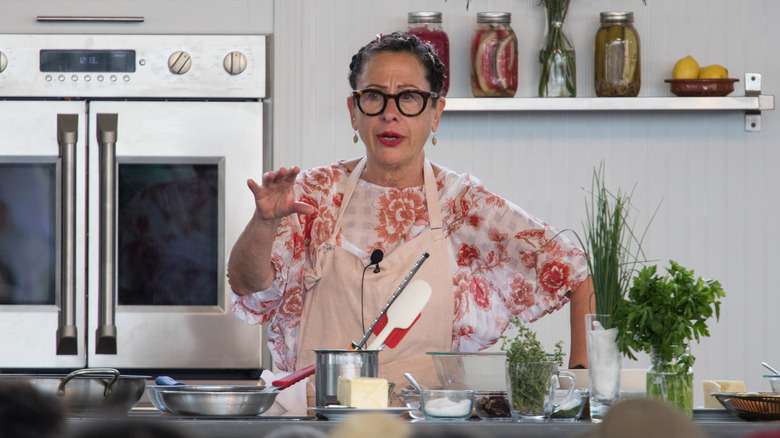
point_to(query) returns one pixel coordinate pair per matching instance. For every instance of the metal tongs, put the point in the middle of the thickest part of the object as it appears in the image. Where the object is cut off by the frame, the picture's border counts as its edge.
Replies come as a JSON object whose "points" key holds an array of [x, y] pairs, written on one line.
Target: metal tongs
{"points": [[362, 342]]}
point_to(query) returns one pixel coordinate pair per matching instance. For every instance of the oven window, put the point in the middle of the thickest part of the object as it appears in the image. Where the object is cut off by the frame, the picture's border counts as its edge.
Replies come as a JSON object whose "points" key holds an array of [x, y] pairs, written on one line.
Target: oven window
{"points": [[168, 234], [27, 233]]}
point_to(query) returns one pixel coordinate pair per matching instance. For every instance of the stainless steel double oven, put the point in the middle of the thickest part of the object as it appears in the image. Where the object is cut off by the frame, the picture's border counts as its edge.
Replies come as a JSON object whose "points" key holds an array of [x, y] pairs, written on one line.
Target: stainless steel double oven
{"points": [[123, 168]]}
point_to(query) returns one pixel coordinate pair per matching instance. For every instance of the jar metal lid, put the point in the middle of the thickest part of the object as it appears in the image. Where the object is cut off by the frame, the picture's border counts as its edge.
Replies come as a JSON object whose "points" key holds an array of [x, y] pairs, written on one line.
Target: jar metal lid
{"points": [[424, 17], [614, 16], [494, 17]]}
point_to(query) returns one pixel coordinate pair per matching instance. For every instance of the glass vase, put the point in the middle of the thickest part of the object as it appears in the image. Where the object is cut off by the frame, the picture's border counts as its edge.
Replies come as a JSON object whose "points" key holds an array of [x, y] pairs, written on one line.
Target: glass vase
{"points": [[671, 382], [604, 364], [557, 67]]}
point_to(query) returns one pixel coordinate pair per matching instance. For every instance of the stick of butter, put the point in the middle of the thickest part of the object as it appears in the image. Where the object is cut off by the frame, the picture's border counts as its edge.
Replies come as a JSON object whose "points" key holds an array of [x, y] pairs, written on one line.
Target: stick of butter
{"points": [[362, 392], [710, 386]]}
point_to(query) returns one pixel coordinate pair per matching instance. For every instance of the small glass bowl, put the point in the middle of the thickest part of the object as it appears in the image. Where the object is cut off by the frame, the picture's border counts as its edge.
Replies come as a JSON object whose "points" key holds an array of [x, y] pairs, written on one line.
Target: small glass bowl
{"points": [[412, 400], [492, 405], [447, 404], [774, 381]]}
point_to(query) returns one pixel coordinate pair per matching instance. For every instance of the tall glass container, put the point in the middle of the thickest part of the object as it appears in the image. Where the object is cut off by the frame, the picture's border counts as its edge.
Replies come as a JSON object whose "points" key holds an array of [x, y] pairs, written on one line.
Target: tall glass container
{"points": [[617, 59], [671, 382], [427, 27], [557, 67], [494, 56]]}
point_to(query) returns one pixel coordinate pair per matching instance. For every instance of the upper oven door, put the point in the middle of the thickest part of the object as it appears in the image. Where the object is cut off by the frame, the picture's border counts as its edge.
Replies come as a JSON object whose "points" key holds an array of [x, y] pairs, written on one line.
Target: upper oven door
{"points": [[168, 197], [42, 234]]}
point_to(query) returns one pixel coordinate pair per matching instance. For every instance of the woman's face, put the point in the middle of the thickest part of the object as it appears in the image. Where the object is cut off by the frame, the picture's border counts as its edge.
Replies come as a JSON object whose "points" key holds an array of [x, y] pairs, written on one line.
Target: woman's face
{"points": [[393, 140]]}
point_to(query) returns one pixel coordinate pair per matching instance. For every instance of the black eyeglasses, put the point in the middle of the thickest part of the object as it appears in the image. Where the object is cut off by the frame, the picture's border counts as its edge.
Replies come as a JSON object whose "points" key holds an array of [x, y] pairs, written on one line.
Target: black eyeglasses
{"points": [[409, 102]]}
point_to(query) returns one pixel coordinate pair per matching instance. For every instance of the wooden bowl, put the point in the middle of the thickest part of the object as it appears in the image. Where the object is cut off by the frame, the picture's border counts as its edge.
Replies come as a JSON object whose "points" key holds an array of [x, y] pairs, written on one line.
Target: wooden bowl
{"points": [[702, 87]]}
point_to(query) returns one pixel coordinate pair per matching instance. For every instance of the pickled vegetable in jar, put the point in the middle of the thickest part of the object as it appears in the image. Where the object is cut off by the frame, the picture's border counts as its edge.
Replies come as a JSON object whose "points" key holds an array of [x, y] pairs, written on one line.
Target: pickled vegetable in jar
{"points": [[617, 59], [494, 56], [428, 28]]}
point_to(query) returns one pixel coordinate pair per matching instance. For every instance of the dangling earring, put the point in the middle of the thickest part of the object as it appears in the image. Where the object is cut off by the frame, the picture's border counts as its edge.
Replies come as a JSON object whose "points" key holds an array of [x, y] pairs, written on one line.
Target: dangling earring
{"points": [[433, 140], [355, 138]]}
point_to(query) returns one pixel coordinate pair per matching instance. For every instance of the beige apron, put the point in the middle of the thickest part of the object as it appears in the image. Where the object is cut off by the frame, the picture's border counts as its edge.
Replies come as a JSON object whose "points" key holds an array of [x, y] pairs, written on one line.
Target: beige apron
{"points": [[331, 316]]}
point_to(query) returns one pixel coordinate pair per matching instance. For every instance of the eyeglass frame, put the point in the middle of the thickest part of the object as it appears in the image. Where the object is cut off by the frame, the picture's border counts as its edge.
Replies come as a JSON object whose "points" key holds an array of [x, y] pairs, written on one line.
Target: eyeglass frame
{"points": [[425, 95]]}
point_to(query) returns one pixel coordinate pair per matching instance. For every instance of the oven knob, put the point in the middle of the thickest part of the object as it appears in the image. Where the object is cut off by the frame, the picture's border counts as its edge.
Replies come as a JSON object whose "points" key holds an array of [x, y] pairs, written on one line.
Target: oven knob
{"points": [[235, 63], [3, 62], [179, 62]]}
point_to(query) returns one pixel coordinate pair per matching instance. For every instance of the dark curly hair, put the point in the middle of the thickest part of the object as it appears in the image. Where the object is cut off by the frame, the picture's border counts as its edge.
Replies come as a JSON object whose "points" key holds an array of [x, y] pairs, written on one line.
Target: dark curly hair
{"points": [[435, 72]]}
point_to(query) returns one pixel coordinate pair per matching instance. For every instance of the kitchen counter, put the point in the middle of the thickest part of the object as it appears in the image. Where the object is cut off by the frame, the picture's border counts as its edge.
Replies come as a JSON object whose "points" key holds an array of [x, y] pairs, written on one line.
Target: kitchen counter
{"points": [[715, 424]]}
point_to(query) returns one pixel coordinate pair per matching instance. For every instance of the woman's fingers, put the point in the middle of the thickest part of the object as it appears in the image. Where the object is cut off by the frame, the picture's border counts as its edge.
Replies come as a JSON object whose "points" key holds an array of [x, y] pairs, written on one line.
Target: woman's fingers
{"points": [[274, 198]]}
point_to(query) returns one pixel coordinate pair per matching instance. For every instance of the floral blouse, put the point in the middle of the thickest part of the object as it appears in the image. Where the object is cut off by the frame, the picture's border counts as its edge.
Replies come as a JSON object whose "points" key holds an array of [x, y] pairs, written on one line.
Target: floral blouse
{"points": [[504, 261]]}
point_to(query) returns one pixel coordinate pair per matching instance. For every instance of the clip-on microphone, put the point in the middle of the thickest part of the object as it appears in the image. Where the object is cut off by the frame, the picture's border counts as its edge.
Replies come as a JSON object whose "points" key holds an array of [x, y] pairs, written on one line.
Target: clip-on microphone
{"points": [[376, 256]]}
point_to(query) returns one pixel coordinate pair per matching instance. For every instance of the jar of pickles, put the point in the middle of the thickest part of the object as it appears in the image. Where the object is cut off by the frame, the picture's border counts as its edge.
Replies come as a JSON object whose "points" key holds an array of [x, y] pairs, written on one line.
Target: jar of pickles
{"points": [[617, 58], [427, 27], [494, 56]]}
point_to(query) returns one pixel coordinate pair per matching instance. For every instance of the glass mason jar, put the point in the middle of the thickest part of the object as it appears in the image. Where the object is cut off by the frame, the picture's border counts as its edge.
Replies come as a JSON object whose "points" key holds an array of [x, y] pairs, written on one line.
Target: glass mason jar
{"points": [[617, 59], [427, 27], [494, 56], [671, 382]]}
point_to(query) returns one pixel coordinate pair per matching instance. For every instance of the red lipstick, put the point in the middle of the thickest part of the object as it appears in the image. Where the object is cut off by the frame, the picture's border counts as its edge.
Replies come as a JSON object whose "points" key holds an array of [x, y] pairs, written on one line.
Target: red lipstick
{"points": [[390, 139]]}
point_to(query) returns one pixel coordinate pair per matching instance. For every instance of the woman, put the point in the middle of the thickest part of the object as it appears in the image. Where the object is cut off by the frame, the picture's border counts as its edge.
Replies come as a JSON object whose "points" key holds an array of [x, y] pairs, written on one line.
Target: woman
{"points": [[312, 236]]}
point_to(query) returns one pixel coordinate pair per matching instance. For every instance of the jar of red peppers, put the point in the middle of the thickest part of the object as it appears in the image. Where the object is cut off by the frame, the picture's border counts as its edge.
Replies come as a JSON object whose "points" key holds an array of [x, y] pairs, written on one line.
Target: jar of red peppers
{"points": [[427, 27], [494, 56]]}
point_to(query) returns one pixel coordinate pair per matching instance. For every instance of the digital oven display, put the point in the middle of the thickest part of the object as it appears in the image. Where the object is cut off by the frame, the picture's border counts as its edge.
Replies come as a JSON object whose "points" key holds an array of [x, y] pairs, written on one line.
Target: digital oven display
{"points": [[85, 61]]}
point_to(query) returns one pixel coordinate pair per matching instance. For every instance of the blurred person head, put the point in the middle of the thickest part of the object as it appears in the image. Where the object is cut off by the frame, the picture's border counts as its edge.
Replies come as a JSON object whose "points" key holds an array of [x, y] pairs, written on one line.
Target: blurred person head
{"points": [[26, 412], [297, 431], [133, 428], [372, 425]]}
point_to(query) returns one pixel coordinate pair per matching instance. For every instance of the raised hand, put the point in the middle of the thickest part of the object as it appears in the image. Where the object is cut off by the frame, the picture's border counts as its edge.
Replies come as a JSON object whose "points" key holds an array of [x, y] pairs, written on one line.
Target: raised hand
{"points": [[274, 199]]}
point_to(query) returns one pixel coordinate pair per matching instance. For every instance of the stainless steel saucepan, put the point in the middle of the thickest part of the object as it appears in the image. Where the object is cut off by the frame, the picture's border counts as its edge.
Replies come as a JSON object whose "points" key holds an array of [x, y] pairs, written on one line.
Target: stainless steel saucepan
{"points": [[214, 400], [88, 390]]}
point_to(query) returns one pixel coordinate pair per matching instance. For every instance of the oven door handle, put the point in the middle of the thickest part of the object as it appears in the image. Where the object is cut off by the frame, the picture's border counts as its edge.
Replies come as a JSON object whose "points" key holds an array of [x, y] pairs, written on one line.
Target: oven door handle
{"points": [[67, 137], [106, 332]]}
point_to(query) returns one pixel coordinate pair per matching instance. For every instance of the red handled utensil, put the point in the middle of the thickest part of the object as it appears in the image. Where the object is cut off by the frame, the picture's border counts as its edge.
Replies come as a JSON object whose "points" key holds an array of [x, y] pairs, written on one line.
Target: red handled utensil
{"points": [[401, 316]]}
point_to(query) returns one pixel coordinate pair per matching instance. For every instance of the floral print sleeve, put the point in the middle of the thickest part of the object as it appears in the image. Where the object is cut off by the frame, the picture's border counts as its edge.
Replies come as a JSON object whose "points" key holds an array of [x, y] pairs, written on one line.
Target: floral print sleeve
{"points": [[505, 262], [294, 247]]}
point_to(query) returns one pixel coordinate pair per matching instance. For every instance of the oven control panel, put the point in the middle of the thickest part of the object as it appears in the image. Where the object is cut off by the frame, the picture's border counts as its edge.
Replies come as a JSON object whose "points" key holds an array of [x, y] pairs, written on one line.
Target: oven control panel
{"points": [[133, 66]]}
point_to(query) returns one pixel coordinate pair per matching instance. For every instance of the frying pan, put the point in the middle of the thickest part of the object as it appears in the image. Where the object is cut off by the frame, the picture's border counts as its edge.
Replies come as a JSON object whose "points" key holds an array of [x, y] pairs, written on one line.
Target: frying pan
{"points": [[232, 400]]}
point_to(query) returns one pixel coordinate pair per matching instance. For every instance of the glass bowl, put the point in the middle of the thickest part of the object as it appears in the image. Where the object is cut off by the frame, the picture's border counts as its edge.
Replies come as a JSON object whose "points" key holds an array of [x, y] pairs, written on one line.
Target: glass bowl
{"points": [[412, 400], [475, 371], [774, 382], [492, 405], [447, 404]]}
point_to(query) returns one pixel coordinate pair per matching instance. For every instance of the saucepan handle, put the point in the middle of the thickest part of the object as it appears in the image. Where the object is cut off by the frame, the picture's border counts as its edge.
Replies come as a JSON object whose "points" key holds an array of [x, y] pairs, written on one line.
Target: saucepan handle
{"points": [[295, 377]]}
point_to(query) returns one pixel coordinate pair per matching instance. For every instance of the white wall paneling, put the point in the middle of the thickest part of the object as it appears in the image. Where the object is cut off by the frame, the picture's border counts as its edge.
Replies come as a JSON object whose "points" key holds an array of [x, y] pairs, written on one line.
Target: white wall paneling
{"points": [[716, 183]]}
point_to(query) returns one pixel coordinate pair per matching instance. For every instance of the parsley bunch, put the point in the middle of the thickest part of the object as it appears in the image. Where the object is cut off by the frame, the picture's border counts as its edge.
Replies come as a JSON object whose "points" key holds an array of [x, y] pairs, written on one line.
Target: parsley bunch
{"points": [[663, 314]]}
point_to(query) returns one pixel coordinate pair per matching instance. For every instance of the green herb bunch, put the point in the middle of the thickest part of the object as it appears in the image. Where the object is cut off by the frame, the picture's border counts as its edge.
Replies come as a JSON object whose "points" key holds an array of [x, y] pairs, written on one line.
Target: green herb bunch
{"points": [[613, 250], [663, 314], [528, 380]]}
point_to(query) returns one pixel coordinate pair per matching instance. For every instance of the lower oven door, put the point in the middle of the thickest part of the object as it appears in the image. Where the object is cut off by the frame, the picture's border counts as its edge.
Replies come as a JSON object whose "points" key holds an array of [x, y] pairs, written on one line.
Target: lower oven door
{"points": [[42, 234], [168, 198]]}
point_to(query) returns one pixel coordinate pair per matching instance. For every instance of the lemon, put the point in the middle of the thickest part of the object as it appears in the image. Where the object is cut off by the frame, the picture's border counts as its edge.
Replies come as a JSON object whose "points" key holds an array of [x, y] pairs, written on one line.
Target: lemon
{"points": [[713, 71], [686, 68]]}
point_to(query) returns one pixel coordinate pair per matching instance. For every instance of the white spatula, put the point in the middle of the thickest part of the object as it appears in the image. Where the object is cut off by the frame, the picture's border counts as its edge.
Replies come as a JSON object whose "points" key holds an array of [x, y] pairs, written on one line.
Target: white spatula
{"points": [[402, 314]]}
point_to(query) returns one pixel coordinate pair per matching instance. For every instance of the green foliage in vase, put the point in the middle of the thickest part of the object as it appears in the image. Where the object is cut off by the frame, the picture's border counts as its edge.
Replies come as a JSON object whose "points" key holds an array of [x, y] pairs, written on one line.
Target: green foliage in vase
{"points": [[664, 313], [558, 72], [612, 247], [529, 382]]}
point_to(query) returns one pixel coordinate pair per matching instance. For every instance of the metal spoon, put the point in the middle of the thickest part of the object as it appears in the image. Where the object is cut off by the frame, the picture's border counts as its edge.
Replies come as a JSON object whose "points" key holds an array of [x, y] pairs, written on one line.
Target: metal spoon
{"points": [[414, 382], [769, 367]]}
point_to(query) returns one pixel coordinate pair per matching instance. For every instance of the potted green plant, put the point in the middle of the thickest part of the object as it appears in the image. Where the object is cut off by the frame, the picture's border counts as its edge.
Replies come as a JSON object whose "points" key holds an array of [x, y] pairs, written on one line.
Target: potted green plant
{"points": [[661, 316]]}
